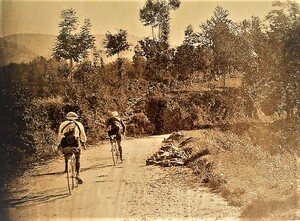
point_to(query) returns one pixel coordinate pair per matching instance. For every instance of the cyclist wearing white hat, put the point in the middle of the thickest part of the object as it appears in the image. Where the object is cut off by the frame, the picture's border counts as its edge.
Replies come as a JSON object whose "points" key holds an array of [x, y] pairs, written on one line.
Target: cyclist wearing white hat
{"points": [[113, 126], [71, 133]]}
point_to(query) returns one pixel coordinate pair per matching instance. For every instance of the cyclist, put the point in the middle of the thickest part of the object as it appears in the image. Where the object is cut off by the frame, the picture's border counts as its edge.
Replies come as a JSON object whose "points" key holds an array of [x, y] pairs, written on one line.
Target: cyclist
{"points": [[113, 127], [71, 136]]}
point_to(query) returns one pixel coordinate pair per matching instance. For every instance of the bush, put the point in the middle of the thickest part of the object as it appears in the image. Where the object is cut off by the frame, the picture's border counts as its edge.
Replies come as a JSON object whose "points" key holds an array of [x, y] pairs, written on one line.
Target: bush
{"points": [[139, 125]]}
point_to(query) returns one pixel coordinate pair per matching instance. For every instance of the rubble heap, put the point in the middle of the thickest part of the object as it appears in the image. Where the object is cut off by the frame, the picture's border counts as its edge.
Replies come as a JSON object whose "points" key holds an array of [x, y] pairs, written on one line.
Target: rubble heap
{"points": [[175, 136], [169, 154]]}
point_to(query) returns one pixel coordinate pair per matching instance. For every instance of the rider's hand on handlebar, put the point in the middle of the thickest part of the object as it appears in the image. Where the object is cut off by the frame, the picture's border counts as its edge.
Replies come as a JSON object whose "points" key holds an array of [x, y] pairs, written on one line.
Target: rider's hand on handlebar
{"points": [[84, 145], [56, 149]]}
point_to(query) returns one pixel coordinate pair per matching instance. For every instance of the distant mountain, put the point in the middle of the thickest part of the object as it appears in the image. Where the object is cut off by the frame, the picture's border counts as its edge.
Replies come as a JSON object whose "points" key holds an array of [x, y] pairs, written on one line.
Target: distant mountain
{"points": [[11, 52], [25, 47], [40, 44]]}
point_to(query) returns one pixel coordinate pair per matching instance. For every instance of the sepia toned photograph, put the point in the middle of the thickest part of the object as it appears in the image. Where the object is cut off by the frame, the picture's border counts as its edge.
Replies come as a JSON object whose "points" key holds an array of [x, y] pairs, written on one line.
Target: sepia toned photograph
{"points": [[149, 110]]}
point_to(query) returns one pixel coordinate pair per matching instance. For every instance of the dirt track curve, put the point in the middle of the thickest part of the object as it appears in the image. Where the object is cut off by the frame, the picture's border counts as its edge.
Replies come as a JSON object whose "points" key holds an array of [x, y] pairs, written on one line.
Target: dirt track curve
{"points": [[129, 191]]}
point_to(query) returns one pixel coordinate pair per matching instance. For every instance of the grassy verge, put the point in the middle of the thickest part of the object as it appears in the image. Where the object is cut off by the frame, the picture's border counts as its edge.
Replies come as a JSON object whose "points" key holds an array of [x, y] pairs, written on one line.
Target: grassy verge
{"points": [[262, 183]]}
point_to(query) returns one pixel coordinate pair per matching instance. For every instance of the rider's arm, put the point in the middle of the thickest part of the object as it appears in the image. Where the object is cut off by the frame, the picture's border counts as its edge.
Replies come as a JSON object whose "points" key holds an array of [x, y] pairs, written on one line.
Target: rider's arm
{"points": [[107, 124], [124, 127], [60, 132], [83, 137]]}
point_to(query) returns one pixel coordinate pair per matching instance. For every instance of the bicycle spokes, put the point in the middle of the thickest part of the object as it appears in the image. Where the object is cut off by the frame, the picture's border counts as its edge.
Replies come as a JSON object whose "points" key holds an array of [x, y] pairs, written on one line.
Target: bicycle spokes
{"points": [[71, 174], [115, 154]]}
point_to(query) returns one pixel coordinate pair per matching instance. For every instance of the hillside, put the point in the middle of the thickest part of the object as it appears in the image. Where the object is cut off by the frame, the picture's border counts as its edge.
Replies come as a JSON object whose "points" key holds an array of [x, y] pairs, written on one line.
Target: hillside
{"points": [[12, 52], [39, 43], [24, 47]]}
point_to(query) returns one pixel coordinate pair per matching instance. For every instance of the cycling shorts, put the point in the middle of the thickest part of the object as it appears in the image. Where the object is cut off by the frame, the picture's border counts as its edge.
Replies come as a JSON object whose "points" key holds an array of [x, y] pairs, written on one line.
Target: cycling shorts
{"points": [[115, 132]]}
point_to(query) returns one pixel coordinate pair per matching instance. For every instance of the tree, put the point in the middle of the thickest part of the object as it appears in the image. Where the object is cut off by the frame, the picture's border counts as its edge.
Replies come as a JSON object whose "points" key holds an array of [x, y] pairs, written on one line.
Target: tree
{"points": [[164, 18], [148, 15], [218, 35], [157, 15], [115, 44], [85, 40], [138, 61], [255, 62], [284, 35], [158, 56], [190, 37], [189, 56], [164, 23], [71, 45], [271, 77]]}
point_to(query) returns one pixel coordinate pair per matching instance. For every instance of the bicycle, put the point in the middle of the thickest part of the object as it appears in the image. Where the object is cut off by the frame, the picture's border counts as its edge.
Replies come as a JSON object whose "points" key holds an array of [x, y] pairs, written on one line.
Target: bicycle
{"points": [[71, 169], [114, 149]]}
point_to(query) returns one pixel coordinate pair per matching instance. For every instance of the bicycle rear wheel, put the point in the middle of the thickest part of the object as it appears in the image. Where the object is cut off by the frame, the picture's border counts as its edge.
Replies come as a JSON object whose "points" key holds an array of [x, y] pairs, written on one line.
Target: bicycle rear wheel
{"points": [[73, 171], [114, 152], [71, 174]]}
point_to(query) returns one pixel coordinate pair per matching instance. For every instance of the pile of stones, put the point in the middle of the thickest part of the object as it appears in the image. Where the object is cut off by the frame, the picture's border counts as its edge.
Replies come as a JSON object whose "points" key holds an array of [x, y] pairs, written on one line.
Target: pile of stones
{"points": [[169, 154]]}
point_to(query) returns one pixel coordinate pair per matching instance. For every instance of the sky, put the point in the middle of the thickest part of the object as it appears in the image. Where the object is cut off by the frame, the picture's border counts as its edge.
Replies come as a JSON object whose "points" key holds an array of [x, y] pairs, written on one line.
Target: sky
{"points": [[43, 16]]}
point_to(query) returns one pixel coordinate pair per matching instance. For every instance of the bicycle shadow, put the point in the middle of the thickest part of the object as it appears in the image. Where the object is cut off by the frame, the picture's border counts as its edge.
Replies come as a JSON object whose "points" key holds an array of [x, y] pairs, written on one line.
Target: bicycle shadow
{"points": [[94, 167], [48, 174], [38, 198]]}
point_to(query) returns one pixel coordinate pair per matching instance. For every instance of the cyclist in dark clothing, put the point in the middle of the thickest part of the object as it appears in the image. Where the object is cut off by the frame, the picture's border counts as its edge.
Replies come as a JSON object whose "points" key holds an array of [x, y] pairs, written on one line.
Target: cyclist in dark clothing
{"points": [[116, 126]]}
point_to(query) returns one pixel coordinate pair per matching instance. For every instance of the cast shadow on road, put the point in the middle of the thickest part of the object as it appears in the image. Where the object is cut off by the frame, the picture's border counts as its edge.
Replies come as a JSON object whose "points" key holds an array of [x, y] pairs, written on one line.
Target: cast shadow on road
{"points": [[94, 167], [104, 181], [48, 174], [38, 198]]}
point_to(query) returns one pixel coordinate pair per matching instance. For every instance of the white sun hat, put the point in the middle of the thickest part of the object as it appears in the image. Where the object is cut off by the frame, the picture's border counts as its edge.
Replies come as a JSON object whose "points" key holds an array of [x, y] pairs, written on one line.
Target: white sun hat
{"points": [[72, 116], [114, 113]]}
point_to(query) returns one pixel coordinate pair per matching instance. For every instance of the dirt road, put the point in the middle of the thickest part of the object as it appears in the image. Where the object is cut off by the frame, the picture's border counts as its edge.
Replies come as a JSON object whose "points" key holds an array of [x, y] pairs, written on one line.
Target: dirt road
{"points": [[129, 191]]}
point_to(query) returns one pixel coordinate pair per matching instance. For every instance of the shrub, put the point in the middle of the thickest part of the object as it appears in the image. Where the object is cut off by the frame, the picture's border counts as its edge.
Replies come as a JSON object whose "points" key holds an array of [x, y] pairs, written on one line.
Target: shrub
{"points": [[139, 125]]}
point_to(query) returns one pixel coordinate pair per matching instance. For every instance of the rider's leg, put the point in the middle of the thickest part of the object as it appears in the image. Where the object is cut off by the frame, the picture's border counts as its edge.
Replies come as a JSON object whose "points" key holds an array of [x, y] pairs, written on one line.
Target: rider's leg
{"points": [[66, 163], [77, 165], [120, 148]]}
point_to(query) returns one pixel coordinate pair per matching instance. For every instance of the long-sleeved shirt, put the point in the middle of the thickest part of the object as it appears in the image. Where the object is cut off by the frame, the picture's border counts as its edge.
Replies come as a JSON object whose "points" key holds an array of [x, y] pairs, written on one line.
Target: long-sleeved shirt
{"points": [[81, 134]]}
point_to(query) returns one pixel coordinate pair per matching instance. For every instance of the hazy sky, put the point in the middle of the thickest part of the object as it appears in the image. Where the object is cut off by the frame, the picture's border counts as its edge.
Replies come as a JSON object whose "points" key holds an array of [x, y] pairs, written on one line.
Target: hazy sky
{"points": [[23, 16]]}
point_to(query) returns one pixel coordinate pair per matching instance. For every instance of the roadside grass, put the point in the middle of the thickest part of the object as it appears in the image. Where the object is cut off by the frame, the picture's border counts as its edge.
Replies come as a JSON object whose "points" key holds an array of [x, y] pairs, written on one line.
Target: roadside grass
{"points": [[246, 175]]}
